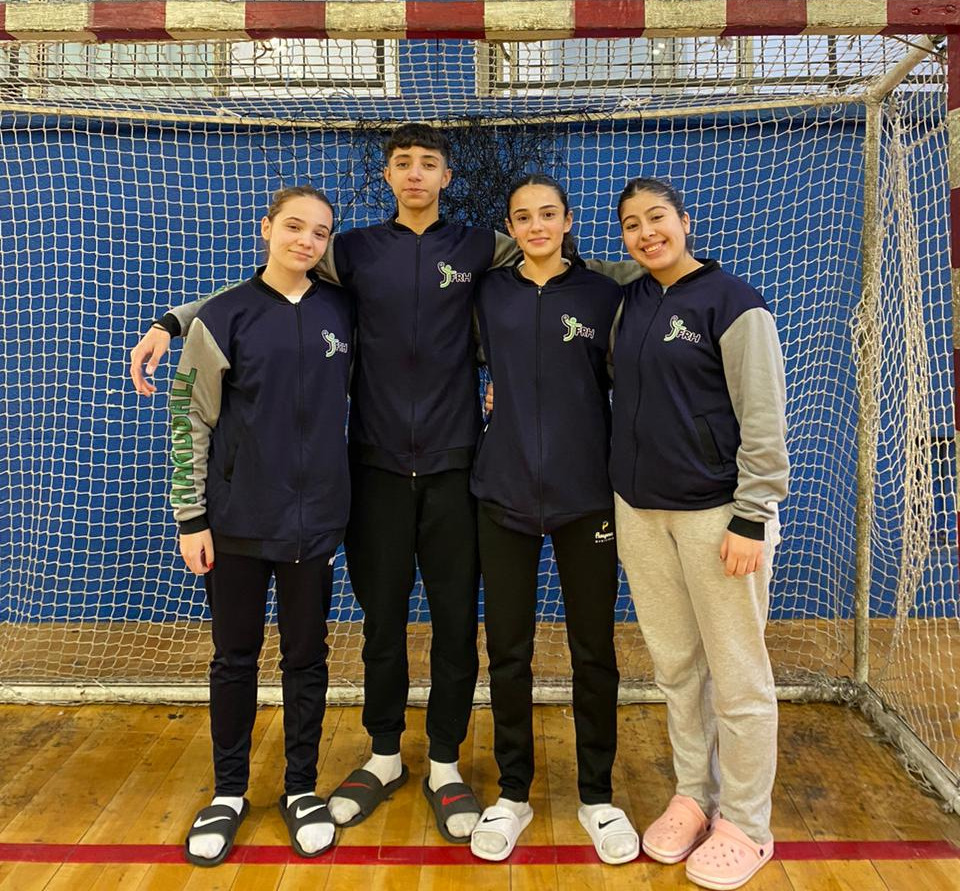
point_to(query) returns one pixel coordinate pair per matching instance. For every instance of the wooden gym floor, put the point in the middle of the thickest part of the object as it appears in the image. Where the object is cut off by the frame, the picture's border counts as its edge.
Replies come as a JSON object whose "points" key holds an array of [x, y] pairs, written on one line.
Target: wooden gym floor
{"points": [[99, 797]]}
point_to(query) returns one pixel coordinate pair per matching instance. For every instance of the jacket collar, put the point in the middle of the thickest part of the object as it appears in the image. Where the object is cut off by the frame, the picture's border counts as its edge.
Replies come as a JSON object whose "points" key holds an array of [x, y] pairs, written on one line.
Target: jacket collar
{"points": [[557, 279], [258, 282], [708, 267], [399, 227]]}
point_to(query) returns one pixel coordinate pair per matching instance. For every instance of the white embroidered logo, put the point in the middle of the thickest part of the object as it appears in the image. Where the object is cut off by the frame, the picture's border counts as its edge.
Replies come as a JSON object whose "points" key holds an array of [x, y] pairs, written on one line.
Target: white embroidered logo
{"points": [[334, 344], [679, 331]]}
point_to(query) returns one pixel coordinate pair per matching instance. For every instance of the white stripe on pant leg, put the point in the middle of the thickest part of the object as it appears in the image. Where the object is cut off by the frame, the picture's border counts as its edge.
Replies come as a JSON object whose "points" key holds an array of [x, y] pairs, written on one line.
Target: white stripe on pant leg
{"points": [[650, 559]]}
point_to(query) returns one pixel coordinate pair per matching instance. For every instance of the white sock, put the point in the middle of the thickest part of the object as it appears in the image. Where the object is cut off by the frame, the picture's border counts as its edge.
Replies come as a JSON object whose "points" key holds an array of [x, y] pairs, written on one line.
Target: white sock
{"points": [[210, 846], [493, 842], [312, 838], [619, 844], [385, 768], [458, 825]]}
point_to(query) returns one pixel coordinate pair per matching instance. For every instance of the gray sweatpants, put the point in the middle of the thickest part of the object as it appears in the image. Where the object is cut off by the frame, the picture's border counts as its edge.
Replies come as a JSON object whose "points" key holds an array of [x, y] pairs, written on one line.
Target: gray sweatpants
{"points": [[705, 635]]}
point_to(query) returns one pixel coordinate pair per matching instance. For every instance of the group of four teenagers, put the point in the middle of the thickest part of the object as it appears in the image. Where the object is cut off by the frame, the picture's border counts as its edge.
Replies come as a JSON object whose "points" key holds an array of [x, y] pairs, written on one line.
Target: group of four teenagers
{"points": [[697, 461]]}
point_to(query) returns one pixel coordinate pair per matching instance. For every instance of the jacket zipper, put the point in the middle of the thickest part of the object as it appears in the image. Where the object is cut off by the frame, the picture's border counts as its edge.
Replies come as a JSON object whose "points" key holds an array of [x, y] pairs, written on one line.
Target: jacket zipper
{"points": [[301, 431], [416, 327], [539, 414], [636, 412]]}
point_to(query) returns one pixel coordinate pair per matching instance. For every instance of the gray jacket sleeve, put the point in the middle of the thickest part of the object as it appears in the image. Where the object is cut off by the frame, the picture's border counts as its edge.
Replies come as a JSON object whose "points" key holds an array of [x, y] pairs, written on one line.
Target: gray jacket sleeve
{"points": [[753, 366], [621, 271], [187, 312], [194, 410], [505, 251]]}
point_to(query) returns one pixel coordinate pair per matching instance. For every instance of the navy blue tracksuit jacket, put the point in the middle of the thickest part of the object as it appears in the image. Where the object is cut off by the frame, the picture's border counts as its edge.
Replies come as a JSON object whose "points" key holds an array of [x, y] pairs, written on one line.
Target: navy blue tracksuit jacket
{"points": [[542, 460], [415, 409]]}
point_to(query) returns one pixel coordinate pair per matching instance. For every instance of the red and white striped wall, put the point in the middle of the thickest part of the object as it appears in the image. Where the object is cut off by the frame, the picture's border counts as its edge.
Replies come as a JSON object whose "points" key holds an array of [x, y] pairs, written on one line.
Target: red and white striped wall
{"points": [[106, 20]]}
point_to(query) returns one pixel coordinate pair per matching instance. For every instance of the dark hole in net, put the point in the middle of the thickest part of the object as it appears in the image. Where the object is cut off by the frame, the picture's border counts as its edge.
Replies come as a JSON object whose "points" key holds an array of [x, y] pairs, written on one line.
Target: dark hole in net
{"points": [[486, 160]]}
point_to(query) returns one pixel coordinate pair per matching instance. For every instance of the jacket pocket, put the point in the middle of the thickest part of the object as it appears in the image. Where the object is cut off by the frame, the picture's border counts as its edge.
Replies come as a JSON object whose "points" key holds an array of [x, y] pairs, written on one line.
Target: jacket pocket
{"points": [[708, 443]]}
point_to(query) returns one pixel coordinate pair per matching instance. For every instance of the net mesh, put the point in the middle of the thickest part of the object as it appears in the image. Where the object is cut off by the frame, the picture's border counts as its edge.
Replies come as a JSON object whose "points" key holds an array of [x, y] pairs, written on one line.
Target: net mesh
{"points": [[132, 178]]}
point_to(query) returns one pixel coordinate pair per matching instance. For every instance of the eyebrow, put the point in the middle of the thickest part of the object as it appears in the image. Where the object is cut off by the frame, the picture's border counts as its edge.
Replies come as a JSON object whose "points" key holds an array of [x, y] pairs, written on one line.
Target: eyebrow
{"points": [[541, 207], [294, 219], [426, 156]]}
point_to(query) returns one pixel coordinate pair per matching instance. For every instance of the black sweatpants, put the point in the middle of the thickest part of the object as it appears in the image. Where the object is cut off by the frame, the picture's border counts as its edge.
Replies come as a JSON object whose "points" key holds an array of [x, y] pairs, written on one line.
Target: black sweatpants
{"points": [[237, 595], [396, 522], [586, 556]]}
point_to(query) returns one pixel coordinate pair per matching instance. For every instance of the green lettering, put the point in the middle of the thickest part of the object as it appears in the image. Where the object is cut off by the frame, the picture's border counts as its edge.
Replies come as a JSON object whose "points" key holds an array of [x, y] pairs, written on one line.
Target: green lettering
{"points": [[182, 442], [181, 425], [182, 476]]}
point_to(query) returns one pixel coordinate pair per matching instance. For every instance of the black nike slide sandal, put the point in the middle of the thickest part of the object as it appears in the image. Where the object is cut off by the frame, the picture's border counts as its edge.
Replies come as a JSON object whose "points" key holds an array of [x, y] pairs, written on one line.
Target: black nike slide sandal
{"points": [[217, 819], [453, 798], [366, 790], [310, 810]]}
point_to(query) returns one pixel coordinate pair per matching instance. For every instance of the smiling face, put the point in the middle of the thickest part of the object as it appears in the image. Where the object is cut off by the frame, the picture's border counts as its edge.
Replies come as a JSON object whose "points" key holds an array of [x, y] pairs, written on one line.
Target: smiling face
{"points": [[417, 175], [298, 234], [538, 221], [655, 235]]}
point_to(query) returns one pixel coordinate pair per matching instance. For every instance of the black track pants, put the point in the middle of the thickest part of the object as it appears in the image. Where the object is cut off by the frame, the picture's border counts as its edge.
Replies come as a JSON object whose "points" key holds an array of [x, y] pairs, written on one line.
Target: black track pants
{"points": [[586, 556], [237, 593], [396, 522]]}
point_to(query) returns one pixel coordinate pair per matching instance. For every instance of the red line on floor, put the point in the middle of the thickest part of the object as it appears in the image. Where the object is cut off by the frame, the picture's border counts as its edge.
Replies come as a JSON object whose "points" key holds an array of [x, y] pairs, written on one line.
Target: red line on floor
{"points": [[452, 855]]}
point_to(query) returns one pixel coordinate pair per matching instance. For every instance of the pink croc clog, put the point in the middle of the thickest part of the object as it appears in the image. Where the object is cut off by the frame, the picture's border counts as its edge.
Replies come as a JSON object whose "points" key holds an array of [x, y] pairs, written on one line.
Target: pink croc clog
{"points": [[727, 859], [677, 831]]}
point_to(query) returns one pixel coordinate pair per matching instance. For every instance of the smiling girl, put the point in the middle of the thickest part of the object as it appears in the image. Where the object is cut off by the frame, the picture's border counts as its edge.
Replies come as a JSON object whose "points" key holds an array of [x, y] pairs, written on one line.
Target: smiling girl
{"points": [[699, 465], [262, 483], [541, 469]]}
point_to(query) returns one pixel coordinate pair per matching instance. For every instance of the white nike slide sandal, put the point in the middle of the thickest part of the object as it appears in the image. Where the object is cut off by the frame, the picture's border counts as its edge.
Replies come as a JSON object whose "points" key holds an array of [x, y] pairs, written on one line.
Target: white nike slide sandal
{"points": [[603, 825], [503, 822]]}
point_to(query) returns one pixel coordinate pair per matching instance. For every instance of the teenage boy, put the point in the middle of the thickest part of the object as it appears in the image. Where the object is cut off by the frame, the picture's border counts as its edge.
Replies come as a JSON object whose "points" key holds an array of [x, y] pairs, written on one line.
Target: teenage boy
{"points": [[414, 423]]}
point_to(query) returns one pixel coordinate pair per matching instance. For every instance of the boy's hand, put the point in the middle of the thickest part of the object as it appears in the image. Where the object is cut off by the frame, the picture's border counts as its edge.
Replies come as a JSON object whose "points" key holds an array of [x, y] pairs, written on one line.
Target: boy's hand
{"points": [[149, 351]]}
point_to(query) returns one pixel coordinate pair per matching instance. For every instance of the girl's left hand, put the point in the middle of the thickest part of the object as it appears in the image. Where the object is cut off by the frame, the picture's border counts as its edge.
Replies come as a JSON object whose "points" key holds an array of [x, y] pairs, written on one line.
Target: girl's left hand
{"points": [[197, 551], [740, 555]]}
